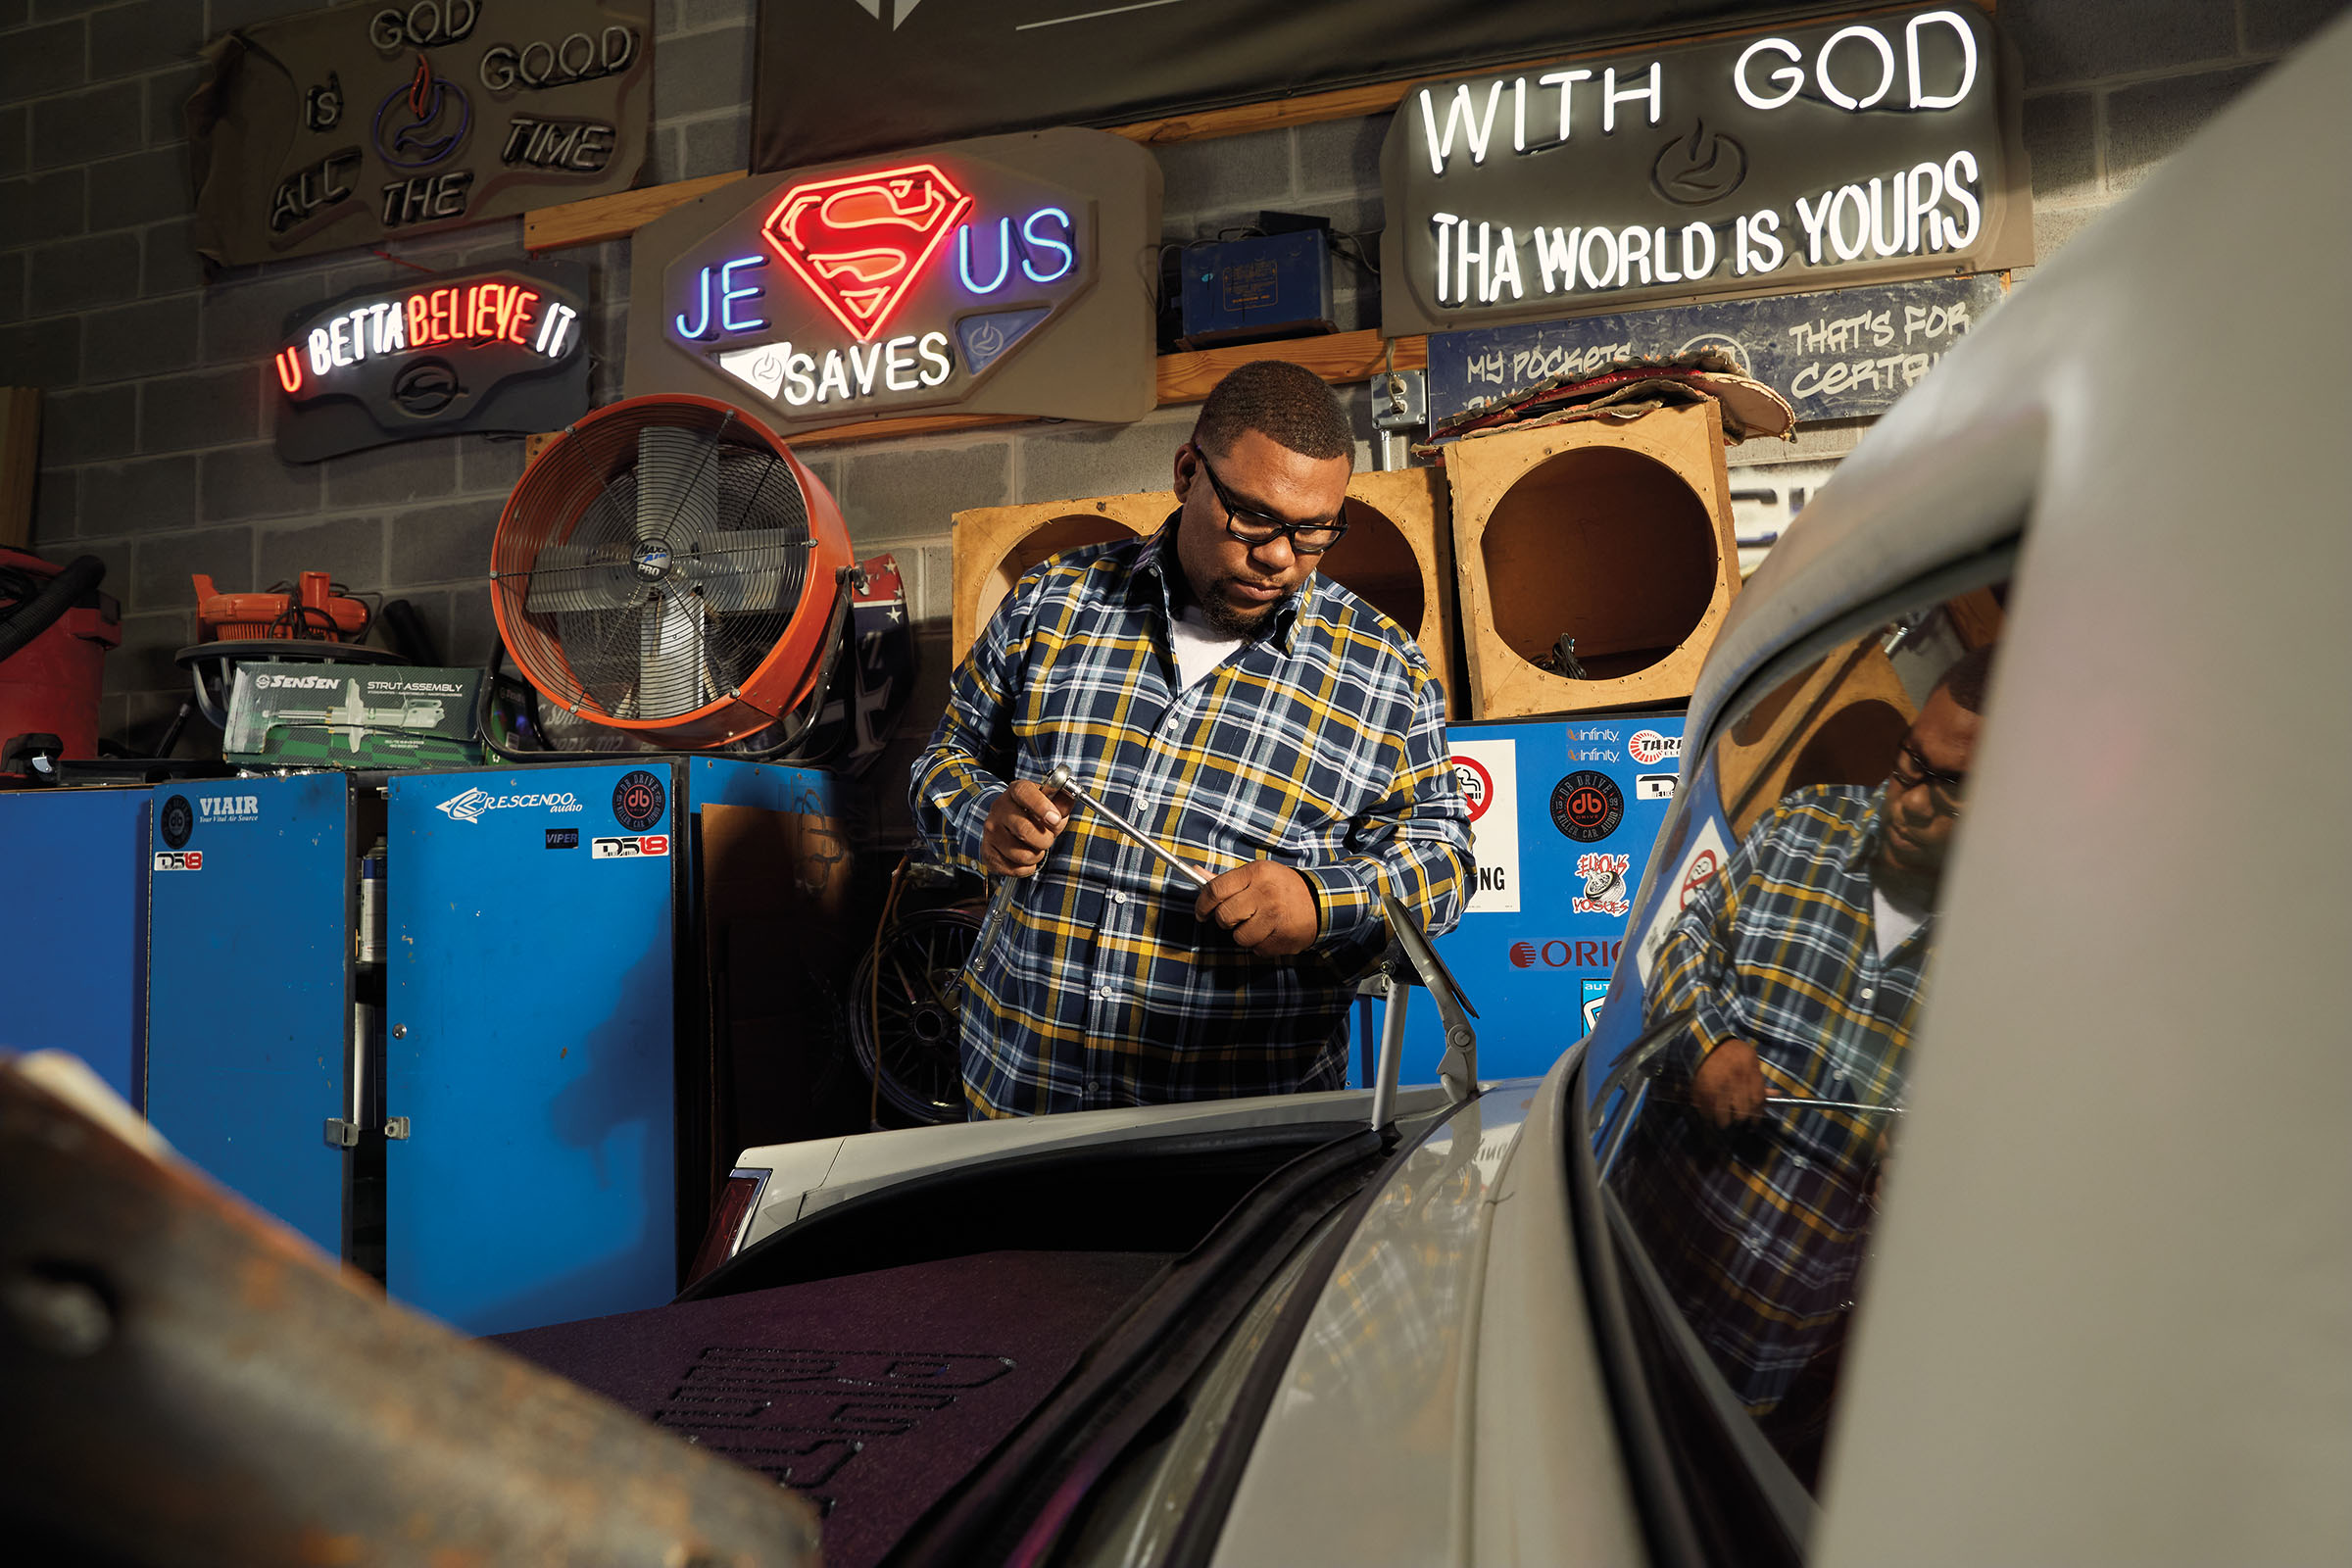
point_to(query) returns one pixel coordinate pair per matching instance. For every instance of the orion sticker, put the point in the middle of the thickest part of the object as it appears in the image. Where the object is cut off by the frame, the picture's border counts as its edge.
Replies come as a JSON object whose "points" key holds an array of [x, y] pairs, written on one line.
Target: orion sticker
{"points": [[1587, 806], [638, 801]]}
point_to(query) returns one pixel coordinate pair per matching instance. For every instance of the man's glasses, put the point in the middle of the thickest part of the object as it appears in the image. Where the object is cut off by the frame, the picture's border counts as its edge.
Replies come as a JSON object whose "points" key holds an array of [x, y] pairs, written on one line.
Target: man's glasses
{"points": [[1911, 770], [1257, 529]]}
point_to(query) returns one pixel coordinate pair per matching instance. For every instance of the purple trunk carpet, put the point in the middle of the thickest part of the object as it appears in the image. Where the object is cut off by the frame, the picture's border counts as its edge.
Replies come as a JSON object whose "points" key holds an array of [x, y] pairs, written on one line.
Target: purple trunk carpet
{"points": [[873, 1395]]}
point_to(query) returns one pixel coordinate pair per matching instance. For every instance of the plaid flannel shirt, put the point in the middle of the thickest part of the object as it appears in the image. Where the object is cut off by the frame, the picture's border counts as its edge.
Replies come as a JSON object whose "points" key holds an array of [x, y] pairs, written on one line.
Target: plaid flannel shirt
{"points": [[1320, 746], [1759, 1230]]}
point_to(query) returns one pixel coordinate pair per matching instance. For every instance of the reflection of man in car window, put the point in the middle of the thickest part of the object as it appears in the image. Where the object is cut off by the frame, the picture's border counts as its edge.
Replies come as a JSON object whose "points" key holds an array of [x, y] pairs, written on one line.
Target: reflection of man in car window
{"points": [[1800, 967]]}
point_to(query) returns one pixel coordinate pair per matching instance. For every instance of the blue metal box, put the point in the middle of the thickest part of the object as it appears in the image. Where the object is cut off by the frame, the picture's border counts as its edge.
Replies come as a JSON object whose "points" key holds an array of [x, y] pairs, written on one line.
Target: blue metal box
{"points": [[1565, 812], [551, 1067], [252, 889], [73, 928], [1272, 285]]}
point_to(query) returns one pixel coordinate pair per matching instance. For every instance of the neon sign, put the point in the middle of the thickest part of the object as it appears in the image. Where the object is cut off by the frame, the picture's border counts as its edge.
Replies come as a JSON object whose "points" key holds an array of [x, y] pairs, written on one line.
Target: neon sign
{"points": [[861, 241], [477, 313], [836, 293], [1879, 148], [454, 354], [860, 246]]}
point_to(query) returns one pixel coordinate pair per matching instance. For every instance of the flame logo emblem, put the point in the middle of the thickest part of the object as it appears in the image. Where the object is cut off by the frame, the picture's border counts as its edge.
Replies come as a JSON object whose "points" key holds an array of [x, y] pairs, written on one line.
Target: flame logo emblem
{"points": [[424, 123], [1698, 168], [861, 242]]}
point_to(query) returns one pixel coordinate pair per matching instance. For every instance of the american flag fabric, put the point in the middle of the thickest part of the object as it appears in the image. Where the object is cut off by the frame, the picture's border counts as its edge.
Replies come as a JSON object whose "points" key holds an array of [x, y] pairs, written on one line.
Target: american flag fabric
{"points": [[1758, 1230], [1320, 745]]}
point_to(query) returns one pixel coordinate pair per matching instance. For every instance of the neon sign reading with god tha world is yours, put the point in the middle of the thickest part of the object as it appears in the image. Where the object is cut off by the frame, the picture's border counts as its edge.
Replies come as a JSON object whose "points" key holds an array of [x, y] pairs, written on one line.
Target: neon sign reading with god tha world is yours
{"points": [[473, 316]]}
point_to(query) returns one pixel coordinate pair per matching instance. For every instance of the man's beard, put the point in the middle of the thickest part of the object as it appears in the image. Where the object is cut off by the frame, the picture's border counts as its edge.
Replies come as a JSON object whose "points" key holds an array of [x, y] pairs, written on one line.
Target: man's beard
{"points": [[1228, 620]]}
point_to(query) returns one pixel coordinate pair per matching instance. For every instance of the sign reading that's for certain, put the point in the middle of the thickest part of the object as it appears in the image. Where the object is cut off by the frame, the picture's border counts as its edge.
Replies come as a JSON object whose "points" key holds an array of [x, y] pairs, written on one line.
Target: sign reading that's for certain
{"points": [[1860, 150]]}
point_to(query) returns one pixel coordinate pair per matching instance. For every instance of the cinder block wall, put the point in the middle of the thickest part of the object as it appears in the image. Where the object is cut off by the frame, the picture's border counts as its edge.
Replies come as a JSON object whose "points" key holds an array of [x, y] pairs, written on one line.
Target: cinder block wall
{"points": [[156, 455]]}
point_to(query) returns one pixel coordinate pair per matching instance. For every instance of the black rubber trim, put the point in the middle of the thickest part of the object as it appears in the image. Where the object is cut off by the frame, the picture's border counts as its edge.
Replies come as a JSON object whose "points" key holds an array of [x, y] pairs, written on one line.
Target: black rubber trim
{"points": [[1658, 1495], [1017, 1503], [778, 1259]]}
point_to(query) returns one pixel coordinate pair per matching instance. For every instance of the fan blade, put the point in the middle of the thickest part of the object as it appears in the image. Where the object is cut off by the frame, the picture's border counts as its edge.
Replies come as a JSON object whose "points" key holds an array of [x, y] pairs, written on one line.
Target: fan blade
{"points": [[673, 669], [750, 569], [677, 484], [569, 577]]}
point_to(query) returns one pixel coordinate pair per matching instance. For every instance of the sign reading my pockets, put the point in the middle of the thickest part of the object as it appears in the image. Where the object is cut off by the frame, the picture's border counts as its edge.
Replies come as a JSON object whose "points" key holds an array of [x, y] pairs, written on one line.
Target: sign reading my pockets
{"points": [[1844, 353]]}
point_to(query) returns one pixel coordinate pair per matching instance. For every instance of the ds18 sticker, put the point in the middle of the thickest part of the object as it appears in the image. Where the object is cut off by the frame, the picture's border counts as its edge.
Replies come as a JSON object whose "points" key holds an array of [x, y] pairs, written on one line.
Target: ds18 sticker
{"points": [[1587, 806], [629, 848], [638, 801]]}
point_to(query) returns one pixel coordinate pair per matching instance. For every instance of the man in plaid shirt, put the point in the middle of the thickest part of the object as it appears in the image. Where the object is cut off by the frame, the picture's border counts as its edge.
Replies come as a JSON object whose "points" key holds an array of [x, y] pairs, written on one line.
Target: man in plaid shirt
{"points": [[1800, 966], [1258, 720]]}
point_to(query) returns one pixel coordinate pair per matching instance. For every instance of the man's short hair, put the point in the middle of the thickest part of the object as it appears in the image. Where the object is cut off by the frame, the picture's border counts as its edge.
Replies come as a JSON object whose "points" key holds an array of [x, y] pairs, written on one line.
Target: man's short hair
{"points": [[1967, 677], [1282, 401]]}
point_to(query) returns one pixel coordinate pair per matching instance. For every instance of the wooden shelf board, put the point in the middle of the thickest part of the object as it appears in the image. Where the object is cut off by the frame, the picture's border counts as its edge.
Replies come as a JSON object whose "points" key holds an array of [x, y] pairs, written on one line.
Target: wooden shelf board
{"points": [[1341, 358]]}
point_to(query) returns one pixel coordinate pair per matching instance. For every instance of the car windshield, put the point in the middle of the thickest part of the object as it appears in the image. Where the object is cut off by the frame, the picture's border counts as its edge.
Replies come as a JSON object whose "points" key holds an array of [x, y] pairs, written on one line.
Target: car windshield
{"points": [[1751, 1128]]}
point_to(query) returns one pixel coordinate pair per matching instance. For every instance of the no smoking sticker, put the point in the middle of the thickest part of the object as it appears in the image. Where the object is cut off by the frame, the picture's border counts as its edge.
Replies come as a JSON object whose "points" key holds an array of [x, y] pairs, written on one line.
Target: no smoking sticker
{"points": [[1487, 772]]}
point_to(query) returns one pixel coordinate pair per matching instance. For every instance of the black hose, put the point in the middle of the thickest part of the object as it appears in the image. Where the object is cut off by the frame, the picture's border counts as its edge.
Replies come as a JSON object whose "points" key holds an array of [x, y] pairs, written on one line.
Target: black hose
{"points": [[32, 616], [407, 631]]}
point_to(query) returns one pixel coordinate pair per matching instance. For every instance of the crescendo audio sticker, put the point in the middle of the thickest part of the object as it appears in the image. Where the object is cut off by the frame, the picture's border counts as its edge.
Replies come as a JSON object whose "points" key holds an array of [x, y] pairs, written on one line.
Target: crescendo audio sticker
{"points": [[1587, 806], [177, 821]]}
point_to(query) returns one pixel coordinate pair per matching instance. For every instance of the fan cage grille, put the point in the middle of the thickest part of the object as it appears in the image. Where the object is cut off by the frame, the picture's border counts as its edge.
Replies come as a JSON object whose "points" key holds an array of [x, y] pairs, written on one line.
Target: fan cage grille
{"points": [[667, 656]]}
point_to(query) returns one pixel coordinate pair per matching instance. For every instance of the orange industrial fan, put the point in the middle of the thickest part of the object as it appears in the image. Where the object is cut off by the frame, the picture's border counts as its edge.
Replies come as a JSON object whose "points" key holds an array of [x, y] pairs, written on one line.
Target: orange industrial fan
{"points": [[669, 568]]}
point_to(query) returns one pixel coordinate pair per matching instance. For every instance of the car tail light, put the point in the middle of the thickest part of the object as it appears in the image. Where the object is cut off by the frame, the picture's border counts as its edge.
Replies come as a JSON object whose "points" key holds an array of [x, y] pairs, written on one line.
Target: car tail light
{"points": [[729, 1220]]}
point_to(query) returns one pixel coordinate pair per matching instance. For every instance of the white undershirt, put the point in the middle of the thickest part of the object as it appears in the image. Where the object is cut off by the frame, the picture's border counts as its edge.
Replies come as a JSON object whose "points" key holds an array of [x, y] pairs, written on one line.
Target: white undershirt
{"points": [[1890, 923], [1197, 647]]}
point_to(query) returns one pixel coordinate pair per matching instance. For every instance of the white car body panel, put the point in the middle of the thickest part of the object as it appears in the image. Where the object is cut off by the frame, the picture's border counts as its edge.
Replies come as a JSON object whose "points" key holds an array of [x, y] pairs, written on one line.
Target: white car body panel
{"points": [[1453, 1328], [2111, 1318]]}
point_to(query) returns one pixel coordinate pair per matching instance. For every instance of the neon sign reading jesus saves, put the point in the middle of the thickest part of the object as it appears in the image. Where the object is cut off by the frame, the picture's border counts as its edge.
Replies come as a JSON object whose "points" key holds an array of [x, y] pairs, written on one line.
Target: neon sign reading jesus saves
{"points": [[873, 250]]}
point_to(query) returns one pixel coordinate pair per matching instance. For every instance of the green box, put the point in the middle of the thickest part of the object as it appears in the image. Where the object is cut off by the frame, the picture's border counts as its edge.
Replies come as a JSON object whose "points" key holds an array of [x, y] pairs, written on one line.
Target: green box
{"points": [[329, 716]]}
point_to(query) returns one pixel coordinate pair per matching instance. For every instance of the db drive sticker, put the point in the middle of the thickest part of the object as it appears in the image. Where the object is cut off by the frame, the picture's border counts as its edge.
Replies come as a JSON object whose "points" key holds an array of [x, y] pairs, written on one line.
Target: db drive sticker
{"points": [[1587, 806], [1699, 867], [638, 801]]}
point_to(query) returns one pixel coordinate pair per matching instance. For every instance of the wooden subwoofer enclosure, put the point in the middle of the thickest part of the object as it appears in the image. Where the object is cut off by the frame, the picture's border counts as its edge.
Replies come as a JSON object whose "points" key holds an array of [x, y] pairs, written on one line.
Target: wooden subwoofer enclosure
{"points": [[1839, 722], [1618, 535], [1397, 554], [994, 545]]}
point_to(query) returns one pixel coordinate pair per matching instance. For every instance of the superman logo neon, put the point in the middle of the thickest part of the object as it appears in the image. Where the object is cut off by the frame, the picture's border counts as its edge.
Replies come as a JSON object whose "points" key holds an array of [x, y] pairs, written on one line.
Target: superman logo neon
{"points": [[861, 241]]}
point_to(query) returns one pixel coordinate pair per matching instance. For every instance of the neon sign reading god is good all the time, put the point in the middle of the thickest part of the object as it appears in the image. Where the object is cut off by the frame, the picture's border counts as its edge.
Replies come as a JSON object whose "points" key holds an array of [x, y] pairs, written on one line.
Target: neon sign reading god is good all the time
{"points": [[472, 315], [861, 246]]}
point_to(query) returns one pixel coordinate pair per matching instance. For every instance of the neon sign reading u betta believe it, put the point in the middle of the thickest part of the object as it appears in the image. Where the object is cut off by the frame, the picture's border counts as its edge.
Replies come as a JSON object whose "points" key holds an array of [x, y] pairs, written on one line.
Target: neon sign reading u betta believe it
{"points": [[474, 315], [862, 247]]}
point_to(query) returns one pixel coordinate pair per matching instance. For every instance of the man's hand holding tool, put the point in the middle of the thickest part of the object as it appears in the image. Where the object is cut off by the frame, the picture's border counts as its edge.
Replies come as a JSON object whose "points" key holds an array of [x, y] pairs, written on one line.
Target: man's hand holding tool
{"points": [[1265, 906], [1022, 826]]}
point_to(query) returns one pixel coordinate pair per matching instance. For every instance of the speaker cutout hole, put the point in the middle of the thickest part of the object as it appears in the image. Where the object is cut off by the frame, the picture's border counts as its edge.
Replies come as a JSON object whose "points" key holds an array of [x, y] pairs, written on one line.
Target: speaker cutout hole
{"points": [[1607, 546], [1376, 563]]}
